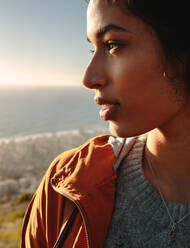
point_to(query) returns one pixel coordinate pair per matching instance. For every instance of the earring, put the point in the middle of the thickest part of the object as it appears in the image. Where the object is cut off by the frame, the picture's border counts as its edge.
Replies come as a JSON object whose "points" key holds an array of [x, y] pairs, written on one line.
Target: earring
{"points": [[164, 74]]}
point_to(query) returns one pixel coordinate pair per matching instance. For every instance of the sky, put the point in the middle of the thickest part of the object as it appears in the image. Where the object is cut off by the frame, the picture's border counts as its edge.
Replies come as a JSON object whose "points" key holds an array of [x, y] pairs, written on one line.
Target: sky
{"points": [[43, 42]]}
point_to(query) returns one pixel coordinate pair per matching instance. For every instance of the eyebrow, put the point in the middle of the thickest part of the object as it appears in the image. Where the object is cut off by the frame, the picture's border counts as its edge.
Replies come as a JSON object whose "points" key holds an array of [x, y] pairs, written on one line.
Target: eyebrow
{"points": [[102, 31]]}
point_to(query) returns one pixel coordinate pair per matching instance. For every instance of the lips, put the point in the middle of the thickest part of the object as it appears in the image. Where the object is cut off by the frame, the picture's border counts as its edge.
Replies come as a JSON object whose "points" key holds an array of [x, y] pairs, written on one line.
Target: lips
{"points": [[108, 110]]}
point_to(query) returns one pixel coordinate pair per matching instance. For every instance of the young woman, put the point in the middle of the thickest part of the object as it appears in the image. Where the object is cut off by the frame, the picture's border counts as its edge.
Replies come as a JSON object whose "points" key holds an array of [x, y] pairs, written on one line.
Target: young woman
{"points": [[131, 189]]}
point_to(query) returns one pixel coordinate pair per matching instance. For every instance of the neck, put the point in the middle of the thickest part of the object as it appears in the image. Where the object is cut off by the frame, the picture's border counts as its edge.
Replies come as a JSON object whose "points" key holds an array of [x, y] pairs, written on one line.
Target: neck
{"points": [[168, 149]]}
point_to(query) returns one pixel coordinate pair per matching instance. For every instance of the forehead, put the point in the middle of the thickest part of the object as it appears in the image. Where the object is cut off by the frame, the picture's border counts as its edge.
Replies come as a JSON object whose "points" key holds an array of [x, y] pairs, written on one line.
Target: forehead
{"points": [[101, 13], [103, 3], [100, 5]]}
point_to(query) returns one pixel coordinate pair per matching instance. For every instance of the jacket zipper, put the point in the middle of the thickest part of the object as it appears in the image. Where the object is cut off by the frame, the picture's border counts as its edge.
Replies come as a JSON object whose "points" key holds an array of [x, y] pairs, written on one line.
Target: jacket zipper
{"points": [[64, 234], [79, 209]]}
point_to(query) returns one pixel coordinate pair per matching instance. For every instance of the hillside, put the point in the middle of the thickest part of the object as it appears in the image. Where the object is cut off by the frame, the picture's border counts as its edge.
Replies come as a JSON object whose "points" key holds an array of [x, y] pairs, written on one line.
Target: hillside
{"points": [[11, 217]]}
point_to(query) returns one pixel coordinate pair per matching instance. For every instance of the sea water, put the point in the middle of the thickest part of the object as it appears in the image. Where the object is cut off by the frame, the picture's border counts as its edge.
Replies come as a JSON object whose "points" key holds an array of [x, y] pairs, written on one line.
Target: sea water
{"points": [[29, 110]]}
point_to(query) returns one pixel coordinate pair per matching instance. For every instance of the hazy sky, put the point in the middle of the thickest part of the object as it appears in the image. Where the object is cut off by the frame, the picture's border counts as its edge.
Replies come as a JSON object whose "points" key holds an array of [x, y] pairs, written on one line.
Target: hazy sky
{"points": [[43, 42]]}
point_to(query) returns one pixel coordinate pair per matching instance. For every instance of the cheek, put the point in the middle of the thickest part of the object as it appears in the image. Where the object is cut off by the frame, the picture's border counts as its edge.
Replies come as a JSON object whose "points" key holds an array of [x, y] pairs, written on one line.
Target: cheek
{"points": [[136, 72]]}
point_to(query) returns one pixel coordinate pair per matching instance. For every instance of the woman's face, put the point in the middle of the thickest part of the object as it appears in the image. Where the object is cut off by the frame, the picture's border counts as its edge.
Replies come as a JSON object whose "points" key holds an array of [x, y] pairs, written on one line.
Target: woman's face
{"points": [[127, 71]]}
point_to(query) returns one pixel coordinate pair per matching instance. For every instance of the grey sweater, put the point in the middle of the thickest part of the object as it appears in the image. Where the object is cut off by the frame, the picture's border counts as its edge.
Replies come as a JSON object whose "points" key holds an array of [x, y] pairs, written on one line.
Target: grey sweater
{"points": [[140, 218]]}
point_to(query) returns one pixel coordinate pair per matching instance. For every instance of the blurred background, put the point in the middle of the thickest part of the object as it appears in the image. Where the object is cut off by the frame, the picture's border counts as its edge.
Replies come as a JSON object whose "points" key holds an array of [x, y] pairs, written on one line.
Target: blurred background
{"points": [[44, 109]]}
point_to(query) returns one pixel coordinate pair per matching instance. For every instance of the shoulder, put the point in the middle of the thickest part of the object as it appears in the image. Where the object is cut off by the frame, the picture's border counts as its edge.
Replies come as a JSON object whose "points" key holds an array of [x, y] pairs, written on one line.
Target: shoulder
{"points": [[100, 155], [95, 148], [93, 156]]}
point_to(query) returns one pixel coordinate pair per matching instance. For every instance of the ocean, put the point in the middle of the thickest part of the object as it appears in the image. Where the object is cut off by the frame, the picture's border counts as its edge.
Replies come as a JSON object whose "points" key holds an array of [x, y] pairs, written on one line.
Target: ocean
{"points": [[28, 110], [36, 125]]}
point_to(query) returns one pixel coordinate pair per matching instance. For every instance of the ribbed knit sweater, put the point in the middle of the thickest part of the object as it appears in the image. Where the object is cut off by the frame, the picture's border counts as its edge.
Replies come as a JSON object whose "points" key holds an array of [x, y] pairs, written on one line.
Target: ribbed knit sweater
{"points": [[140, 218]]}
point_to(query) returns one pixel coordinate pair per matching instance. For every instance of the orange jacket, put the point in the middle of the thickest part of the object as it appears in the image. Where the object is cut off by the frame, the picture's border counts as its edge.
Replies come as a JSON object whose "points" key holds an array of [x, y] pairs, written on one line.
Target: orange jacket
{"points": [[73, 205]]}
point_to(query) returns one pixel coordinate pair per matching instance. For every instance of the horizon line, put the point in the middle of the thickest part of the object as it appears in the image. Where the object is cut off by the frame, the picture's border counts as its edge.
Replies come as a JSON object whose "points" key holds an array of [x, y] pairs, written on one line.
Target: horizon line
{"points": [[47, 85]]}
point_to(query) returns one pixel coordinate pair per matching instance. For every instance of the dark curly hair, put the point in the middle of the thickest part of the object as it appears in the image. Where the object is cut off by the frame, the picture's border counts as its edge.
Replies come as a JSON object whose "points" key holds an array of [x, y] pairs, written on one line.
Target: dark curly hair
{"points": [[169, 18]]}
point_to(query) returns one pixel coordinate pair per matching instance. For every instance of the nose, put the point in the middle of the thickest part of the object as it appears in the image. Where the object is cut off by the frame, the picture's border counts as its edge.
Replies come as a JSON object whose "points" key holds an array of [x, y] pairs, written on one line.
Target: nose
{"points": [[94, 75]]}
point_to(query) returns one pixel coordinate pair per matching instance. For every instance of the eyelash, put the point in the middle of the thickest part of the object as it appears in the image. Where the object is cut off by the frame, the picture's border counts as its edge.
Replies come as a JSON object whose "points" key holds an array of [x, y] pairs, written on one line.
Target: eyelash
{"points": [[92, 51], [110, 45]]}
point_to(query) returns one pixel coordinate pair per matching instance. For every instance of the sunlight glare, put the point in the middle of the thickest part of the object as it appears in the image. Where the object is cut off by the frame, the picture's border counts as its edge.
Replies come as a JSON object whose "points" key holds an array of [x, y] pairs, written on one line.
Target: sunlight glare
{"points": [[15, 75]]}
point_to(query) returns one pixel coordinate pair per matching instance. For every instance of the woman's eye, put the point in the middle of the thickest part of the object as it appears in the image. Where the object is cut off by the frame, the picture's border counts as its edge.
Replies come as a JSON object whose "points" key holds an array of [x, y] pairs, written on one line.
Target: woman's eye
{"points": [[112, 46]]}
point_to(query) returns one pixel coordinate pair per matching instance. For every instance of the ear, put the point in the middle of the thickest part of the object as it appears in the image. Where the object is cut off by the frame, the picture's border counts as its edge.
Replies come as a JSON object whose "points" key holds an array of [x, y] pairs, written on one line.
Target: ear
{"points": [[175, 69]]}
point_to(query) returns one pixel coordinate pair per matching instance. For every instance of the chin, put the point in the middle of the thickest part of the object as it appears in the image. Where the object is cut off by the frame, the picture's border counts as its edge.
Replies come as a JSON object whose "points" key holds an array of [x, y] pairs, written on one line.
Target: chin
{"points": [[117, 131], [123, 131]]}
